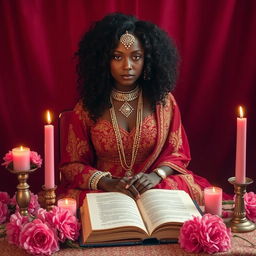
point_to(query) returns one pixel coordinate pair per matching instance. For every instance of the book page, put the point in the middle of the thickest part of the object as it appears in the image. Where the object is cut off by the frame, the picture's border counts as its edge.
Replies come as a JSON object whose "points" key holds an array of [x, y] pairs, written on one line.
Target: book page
{"points": [[113, 209], [160, 206]]}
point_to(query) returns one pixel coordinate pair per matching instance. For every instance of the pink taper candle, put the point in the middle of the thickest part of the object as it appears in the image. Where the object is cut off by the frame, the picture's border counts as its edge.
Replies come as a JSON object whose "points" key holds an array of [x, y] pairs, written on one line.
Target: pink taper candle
{"points": [[213, 200], [49, 153], [21, 158], [241, 147]]}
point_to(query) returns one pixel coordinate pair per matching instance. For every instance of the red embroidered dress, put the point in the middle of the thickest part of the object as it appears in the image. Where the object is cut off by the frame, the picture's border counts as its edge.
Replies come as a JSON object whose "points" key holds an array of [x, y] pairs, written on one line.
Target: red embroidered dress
{"points": [[88, 147]]}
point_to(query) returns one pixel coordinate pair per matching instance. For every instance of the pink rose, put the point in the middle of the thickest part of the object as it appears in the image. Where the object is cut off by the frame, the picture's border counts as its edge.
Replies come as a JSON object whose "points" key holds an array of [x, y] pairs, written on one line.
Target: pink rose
{"points": [[14, 227], [214, 235], [7, 159], [66, 224], [4, 197], [250, 206], [38, 238], [35, 158], [41, 214], [205, 234], [189, 238], [3, 212]]}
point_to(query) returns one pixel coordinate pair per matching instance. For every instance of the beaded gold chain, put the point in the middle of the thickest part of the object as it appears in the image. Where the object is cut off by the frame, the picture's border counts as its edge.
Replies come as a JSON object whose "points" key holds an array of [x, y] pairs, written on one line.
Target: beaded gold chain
{"points": [[137, 136]]}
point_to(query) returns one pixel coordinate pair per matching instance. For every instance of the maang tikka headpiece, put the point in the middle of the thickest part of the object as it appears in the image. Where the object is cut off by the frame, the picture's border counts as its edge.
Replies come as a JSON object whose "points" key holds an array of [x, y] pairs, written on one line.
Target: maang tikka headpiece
{"points": [[127, 39]]}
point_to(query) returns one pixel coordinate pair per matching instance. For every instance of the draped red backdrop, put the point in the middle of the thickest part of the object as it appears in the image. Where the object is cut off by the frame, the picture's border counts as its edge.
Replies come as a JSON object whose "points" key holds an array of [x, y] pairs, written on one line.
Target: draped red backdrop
{"points": [[216, 40]]}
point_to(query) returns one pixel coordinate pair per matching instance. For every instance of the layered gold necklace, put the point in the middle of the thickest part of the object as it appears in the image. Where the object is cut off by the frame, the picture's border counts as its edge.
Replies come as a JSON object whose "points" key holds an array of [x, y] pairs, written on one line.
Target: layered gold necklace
{"points": [[136, 142], [126, 109]]}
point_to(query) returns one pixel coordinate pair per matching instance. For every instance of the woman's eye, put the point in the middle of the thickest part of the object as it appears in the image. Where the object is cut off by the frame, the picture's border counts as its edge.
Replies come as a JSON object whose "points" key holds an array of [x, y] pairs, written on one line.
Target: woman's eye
{"points": [[117, 57], [137, 57]]}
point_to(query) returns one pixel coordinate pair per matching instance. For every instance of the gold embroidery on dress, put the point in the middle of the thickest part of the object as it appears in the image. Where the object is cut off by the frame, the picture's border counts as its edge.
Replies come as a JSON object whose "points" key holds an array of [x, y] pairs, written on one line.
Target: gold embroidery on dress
{"points": [[176, 140], [194, 188], [75, 147], [171, 183], [175, 167], [71, 170]]}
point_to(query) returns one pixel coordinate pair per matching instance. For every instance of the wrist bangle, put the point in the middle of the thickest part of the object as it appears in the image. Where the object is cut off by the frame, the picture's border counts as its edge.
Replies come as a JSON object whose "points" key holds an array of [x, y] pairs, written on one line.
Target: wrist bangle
{"points": [[160, 172], [93, 183]]}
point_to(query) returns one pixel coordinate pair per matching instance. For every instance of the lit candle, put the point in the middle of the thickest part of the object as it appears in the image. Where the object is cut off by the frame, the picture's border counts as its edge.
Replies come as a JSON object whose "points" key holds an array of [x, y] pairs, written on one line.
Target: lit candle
{"points": [[69, 204], [49, 153], [213, 200], [21, 158], [241, 147]]}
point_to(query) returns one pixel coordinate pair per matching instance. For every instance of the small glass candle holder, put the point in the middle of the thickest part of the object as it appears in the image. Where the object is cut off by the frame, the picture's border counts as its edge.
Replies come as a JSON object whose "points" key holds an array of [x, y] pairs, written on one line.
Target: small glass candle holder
{"points": [[68, 203], [213, 200]]}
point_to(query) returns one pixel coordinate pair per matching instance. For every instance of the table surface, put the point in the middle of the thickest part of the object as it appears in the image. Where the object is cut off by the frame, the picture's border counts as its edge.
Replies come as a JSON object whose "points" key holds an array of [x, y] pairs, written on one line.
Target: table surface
{"points": [[239, 247]]}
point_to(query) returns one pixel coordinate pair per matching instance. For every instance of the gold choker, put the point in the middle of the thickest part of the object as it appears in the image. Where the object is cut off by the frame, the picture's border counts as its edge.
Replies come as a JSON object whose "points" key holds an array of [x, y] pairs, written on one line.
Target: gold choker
{"points": [[125, 96]]}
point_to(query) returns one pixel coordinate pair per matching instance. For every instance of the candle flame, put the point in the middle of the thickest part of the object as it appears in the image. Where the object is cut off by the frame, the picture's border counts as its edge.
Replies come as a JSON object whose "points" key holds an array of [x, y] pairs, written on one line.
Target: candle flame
{"points": [[66, 201], [21, 148], [213, 189], [241, 112], [49, 120]]}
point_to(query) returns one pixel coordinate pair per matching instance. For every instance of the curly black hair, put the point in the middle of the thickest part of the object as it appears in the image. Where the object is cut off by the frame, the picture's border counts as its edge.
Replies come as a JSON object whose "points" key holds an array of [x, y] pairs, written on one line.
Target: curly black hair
{"points": [[95, 82]]}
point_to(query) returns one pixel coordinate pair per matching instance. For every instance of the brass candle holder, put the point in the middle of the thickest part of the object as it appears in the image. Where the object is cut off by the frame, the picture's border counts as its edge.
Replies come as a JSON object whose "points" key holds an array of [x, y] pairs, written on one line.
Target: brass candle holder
{"points": [[239, 222], [49, 197], [23, 192]]}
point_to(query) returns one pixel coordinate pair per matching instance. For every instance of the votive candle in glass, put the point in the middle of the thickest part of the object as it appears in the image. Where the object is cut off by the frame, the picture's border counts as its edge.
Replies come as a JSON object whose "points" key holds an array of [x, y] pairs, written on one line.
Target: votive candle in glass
{"points": [[213, 200], [68, 203], [21, 158]]}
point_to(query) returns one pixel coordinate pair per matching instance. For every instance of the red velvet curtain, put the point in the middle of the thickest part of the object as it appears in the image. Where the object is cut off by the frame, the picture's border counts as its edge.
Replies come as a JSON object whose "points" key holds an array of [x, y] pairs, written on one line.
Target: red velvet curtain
{"points": [[216, 40]]}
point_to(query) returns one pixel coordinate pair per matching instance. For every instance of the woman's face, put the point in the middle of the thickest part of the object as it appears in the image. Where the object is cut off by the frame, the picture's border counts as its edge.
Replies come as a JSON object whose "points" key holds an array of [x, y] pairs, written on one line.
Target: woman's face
{"points": [[126, 65]]}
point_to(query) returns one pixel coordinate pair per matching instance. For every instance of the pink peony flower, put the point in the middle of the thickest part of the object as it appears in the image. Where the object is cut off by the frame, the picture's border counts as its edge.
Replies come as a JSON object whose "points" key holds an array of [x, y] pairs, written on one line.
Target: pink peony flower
{"points": [[250, 206], [66, 224], [35, 158], [7, 159], [14, 227], [189, 238], [3, 212], [214, 235], [4, 197], [37, 237], [205, 234]]}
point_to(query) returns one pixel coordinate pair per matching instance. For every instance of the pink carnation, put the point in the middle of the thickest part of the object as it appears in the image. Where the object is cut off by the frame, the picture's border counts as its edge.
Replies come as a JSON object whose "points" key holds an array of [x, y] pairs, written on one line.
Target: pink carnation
{"points": [[4, 197], [7, 159], [35, 158], [206, 234], [14, 227], [38, 238], [190, 235], [66, 224], [3, 212], [250, 206], [215, 236]]}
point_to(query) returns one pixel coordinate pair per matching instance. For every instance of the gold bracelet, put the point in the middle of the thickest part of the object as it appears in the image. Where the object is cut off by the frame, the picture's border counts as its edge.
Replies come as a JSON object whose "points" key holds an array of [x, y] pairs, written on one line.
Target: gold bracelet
{"points": [[96, 177], [92, 178]]}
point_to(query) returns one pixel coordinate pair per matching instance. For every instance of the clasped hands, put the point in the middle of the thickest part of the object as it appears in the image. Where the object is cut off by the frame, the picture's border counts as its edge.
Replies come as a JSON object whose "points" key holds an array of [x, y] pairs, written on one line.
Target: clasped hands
{"points": [[131, 186]]}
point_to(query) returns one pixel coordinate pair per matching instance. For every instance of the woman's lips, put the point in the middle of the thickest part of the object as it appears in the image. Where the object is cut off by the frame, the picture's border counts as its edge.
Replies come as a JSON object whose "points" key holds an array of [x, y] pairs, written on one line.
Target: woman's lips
{"points": [[127, 77]]}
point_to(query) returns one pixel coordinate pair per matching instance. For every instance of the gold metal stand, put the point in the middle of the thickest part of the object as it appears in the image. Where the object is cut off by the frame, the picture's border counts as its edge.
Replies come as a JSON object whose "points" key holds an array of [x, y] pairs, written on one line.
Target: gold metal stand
{"points": [[239, 223], [23, 193], [49, 197]]}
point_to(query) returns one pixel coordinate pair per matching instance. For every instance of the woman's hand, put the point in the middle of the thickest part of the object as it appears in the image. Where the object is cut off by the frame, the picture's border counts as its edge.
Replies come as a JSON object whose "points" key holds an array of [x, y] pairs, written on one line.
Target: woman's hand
{"points": [[118, 185], [142, 182]]}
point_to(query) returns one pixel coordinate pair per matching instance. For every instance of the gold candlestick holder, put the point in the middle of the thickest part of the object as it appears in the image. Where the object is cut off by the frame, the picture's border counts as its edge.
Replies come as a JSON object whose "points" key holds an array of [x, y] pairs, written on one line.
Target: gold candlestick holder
{"points": [[23, 192], [239, 223], [49, 197]]}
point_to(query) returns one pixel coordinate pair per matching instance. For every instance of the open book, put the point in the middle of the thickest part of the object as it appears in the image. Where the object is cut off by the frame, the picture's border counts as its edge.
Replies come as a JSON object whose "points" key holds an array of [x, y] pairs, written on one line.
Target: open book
{"points": [[113, 217]]}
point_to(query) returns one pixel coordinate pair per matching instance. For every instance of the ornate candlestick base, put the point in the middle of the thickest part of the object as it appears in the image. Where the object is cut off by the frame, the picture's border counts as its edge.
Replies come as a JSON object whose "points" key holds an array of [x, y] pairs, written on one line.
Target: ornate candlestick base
{"points": [[239, 222], [23, 193], [49, 197]]}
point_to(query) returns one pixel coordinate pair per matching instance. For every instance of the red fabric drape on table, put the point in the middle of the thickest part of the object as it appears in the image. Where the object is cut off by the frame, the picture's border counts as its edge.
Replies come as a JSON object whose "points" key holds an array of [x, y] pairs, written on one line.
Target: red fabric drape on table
{"points": [[216, 40]]}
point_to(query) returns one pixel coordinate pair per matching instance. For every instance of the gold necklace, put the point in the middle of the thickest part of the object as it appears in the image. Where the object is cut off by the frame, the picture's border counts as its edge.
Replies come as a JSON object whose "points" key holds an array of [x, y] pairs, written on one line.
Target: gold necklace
{"points": [[136, 142], [126, 109]]}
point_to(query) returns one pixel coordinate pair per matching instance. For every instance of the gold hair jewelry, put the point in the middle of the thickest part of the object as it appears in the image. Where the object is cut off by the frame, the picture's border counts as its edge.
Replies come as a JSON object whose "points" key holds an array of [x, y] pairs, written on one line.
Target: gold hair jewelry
{"points": [[126, 109], [127, 39], [136, 142]]}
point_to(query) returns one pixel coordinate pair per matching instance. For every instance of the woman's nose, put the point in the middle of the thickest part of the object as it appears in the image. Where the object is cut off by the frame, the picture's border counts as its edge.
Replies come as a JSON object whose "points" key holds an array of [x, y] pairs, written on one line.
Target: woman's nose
{"points": [[127, 64]]}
